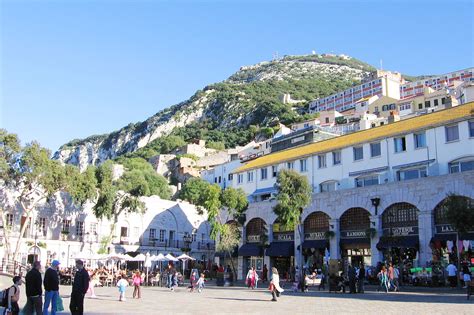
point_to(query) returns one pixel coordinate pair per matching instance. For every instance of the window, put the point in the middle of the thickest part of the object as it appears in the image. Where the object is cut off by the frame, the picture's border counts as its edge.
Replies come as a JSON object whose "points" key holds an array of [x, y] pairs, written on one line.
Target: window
{"points": [[327, 120], [336, 157], [367, 181], [411, 174], [452, 133], [443, 100], [384, 108], [263, 173], [321, 161], [274, 171], [10, 219], [240, 178], [152, 234], [79, 228], [376, 109], [66, 226], [230, 177], [220, 179], [420, 140], [42, 226], [375, 149], [427, 104], [303, 166], [420, 106], [436, 102], [456, 167], [290, 165], [471, 128], [327, 186], [358, 153], [93, 228], [162, 235], [215, 180], [250, 176], [400, 144]]}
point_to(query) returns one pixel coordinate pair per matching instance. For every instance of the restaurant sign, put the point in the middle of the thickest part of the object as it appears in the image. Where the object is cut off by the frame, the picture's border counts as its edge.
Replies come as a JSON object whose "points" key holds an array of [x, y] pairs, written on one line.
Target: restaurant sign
{"points": [[253, 238], [401, 231], [315, 236], [445, 228], [354, 234], [282, 237]]}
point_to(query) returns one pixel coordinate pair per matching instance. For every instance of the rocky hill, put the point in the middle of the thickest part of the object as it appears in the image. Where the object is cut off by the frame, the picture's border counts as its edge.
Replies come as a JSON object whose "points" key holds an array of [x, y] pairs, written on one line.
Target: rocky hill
{"points": [[248, 97]]}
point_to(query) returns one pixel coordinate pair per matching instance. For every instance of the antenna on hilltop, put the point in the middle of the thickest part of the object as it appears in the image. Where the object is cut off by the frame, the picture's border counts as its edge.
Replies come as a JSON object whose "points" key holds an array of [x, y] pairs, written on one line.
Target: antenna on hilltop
{"points": [[275, 56]]}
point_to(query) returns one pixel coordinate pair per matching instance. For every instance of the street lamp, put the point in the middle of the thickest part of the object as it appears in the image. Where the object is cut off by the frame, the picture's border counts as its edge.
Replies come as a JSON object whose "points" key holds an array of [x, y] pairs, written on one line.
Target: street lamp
{"points": [[187, 239], [375, 203], [91, 236]]}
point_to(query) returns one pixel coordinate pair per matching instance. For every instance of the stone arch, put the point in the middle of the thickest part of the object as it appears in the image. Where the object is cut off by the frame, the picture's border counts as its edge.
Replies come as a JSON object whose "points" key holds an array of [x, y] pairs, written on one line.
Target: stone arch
{"points": [[317, 221], [256, 226], [439, 212], [400, 214], [355, 218]]}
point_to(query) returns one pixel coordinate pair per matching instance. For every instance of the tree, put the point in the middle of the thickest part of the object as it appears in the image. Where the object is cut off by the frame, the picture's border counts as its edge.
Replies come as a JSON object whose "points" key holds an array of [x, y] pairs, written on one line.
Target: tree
{"points": [[294, 194], [29, 177]]}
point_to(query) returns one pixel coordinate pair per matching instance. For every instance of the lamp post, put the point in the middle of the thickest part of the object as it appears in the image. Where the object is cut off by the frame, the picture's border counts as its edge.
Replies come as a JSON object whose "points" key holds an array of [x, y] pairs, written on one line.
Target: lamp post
{"points": [[91, 238], [187, 239], [375, 203]]}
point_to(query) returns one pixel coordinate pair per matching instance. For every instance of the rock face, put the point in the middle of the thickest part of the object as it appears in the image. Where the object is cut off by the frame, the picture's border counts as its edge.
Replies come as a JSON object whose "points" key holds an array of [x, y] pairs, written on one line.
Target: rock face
{"points": [[211, 104]]}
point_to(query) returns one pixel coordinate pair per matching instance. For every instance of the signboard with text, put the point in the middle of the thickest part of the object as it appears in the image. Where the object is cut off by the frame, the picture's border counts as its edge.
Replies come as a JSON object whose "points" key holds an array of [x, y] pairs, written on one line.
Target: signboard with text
{"points": [[401, 231], [354, 234], [282, 237], [253, 238], [315, 236]]}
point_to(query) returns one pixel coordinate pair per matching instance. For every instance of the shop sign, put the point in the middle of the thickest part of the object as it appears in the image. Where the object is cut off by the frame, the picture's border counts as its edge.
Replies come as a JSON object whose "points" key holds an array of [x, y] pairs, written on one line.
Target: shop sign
{"points": [[315, 236], [253, 238], [445, 228], [283, 237], [354, 234], [401, 231]]}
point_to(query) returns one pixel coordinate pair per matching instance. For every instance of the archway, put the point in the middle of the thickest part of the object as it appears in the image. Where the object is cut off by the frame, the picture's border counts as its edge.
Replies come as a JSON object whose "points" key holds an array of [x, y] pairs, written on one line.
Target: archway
{"points": [[315, 244], [355, 235]]}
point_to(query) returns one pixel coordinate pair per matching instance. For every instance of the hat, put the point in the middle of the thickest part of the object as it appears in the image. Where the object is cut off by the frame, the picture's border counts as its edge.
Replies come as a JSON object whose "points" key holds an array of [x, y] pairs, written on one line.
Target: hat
{"points": [[55, 263]]}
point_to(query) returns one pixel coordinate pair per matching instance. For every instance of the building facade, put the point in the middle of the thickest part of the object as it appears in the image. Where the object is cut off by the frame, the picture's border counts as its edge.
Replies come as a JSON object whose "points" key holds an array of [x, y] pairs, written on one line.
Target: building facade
{"points": [[408, 166]]}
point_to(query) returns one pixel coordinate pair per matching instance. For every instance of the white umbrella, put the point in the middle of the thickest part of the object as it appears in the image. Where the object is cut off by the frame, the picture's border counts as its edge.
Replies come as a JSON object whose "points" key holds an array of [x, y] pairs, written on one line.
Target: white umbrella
{"points": [[185, 257], [139, 257], [159, 257], [171, 257]]}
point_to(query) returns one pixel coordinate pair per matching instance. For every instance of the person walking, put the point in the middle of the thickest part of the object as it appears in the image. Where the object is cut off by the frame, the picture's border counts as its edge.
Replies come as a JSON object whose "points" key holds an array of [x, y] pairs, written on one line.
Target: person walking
{"points": [[79, 289], [351, 273], [137, 281], [452, 271], [466, 275], [122, 285], [361, 279], [251, 278], [274, 287], [264, 273], [396, 277], [51, 288], [13, 297], [34, 290], [383, 277], [200, 282]]}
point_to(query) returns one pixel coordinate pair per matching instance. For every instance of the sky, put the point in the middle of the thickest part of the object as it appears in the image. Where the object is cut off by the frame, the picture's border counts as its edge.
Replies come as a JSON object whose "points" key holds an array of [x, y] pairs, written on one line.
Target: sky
{"points": [[71, 69]]}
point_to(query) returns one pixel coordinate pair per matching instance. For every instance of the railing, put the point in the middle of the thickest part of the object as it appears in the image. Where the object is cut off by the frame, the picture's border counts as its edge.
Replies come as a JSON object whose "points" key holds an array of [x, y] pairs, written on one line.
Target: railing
{"points": [[13, 267]]}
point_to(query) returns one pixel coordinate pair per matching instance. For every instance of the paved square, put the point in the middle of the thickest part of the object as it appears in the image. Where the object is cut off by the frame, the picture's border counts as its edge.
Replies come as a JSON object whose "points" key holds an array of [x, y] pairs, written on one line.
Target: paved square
{"points": [[240, 300]]}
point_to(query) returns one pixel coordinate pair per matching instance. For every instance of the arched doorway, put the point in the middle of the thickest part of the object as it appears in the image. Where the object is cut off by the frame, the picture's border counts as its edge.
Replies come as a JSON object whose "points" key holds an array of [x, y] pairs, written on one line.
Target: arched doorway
{"points": [[256, 239], [354, 227], [400, 240], [315, 244], [443, 243], [282, 249], [34, 254]]}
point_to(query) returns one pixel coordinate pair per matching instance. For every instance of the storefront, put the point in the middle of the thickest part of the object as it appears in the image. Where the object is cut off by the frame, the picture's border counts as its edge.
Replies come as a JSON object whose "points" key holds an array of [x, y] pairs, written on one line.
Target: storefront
{"points": [[355, 236], [443, 243], [400, 241], [315, 244], [255, 241], [282, 250]]}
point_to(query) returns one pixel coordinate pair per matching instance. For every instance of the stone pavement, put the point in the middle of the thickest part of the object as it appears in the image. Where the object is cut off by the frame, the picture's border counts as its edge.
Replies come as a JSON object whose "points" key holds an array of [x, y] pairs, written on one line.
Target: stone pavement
{"points": [[239, 300]]}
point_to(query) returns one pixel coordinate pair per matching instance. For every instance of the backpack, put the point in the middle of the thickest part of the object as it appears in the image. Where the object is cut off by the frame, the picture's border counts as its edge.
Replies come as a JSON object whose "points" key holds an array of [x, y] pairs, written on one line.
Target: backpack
{"points": [[4, 297]]}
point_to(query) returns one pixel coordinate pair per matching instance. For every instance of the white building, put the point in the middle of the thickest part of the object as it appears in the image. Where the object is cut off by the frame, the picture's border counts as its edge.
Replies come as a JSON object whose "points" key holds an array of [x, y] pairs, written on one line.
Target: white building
{"points": [[409, 166], [62, 231]]}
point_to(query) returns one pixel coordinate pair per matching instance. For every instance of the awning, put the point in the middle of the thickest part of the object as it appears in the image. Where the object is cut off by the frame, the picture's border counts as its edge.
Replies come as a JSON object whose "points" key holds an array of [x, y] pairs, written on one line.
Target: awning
{"points": [[315, 244], [355, 242], [285, 249], [411, 241], [371, 171], [250, 249], [264, 191], [452, 237], [419, 163]]}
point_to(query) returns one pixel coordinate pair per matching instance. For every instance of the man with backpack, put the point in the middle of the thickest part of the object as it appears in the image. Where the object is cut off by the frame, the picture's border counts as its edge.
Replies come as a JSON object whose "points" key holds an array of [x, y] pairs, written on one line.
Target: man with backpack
{"points": [[34, 290], [11, 296]]}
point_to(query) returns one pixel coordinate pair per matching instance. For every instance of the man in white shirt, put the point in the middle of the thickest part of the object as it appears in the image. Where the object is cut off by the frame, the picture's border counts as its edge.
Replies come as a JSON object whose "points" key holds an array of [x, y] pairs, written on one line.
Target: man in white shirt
{"points": [[452, 272]]}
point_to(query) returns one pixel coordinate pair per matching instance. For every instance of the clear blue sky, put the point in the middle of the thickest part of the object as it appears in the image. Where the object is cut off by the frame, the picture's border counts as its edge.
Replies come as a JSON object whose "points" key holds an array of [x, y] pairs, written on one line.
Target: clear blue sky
{"points": [[70, 69]]}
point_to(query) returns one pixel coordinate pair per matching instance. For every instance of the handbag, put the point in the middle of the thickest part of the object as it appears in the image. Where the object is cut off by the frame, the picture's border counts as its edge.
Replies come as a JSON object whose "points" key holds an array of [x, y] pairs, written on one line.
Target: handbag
{"points": [[59, 304]]}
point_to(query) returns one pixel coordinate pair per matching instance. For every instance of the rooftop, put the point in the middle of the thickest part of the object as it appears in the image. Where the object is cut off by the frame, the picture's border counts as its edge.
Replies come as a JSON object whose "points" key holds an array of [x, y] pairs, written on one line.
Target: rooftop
{"points": [[438, 118]]}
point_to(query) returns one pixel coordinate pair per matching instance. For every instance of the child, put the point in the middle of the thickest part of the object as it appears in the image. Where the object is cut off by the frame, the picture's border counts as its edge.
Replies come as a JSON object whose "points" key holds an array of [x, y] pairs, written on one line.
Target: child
{"points": [[192, 281], [122, 284], [200, 282]]}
